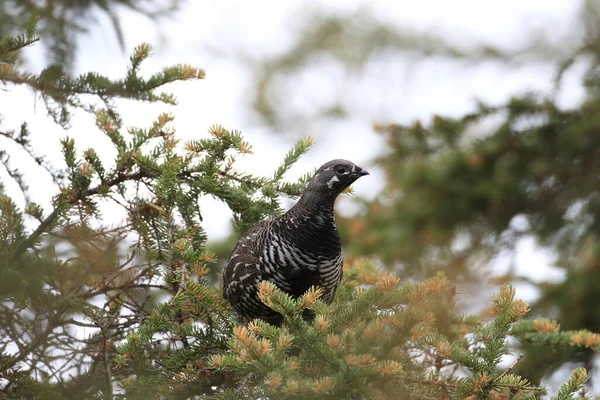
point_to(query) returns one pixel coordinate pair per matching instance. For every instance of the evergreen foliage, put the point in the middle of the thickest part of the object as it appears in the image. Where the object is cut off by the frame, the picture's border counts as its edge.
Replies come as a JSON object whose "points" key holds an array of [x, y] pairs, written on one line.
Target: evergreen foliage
{"points": [[133, 311]]}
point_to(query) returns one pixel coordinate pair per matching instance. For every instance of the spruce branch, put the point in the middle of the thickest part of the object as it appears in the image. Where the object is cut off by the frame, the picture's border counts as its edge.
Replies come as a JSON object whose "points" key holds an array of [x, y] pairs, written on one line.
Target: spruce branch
{"points": [[575, 383]]}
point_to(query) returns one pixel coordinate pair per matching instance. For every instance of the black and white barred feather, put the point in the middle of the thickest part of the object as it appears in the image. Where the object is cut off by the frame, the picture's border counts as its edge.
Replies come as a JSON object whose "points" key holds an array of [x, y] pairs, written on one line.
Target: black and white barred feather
{"points": [[295, 251]]}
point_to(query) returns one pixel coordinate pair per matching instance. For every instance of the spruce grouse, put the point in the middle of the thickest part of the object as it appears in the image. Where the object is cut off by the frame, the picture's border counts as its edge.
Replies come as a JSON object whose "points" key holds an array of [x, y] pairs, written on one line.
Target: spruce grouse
{"points": [[295, 251]]}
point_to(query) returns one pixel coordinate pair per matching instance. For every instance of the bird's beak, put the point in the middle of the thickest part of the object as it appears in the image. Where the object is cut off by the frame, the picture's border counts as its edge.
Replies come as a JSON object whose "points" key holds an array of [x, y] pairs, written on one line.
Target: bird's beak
{"points": [[360, 172]]}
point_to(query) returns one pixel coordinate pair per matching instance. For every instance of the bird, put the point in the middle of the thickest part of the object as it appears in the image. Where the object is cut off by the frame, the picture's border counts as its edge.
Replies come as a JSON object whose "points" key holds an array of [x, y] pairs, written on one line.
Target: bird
{"points": [[297, 250]]}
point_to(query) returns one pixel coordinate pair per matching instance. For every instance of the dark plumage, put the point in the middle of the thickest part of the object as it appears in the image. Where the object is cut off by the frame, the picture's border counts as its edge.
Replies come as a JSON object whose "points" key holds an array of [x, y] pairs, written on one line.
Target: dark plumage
{"points": [[295, 251]]}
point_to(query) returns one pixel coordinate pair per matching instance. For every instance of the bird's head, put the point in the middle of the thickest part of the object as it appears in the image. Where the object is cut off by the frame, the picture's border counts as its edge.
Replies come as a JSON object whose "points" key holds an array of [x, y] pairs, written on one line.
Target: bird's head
{"points": [[335, 176]]}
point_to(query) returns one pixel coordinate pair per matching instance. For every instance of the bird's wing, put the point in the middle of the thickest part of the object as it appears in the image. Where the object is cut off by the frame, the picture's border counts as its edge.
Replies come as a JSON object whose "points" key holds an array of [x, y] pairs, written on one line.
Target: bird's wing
{"points": [[242, 265]]}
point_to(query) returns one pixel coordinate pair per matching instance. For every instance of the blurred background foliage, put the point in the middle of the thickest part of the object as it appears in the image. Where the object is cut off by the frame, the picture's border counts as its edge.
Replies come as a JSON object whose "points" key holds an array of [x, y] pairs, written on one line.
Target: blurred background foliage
{"points": [[459, 191], [66, 20]]}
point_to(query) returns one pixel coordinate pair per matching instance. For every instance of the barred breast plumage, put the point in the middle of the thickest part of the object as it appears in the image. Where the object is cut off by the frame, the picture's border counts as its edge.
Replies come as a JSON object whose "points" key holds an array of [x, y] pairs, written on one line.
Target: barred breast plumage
{"points": [[295, 251]]}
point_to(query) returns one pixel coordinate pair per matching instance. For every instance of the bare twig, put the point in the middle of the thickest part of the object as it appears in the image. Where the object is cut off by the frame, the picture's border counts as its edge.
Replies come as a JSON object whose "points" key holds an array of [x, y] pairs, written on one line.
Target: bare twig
{"points": [[507, 371]]}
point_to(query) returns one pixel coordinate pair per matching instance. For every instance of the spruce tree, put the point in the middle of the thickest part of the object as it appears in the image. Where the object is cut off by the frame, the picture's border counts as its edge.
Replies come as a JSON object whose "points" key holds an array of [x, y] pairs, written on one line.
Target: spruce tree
{"points": [[133, 310]]}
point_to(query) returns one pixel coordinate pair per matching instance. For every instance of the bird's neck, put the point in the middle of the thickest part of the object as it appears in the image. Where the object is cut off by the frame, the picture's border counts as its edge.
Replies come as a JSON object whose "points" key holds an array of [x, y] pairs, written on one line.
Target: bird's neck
{"points": [[310, 224], [315, 201]]}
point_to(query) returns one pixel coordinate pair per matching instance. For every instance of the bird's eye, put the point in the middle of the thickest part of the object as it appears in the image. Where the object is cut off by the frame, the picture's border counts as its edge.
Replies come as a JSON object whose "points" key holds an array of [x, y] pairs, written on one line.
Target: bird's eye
{"points": [[340, 170]]}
